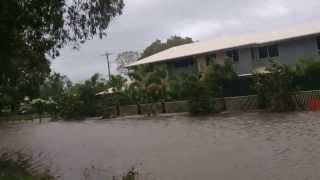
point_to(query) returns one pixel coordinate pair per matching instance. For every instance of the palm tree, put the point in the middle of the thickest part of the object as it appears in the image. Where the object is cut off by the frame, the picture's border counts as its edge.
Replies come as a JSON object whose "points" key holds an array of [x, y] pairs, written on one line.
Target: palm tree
{"points": [[163, 85], [117, 83], [147, 85]]}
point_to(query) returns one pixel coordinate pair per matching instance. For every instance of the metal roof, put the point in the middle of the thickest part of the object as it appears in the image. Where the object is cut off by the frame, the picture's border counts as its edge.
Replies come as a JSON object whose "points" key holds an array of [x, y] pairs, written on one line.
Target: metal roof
{"points": [[219, 44]]}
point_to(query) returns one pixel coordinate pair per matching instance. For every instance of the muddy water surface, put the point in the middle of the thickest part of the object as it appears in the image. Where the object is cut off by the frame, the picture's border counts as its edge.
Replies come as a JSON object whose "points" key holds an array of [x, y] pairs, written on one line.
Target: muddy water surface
{"points": [[238, 146]]}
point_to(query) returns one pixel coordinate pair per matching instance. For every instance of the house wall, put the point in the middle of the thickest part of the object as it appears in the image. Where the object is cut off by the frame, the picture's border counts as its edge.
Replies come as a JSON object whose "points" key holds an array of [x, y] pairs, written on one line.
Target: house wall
{"points": [[245, 64], [289, 53], [292, 51]]}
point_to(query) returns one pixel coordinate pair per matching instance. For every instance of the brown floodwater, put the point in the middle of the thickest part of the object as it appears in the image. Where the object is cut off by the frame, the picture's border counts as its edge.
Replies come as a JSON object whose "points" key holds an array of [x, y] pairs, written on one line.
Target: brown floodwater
{"points": [[231, 147]]}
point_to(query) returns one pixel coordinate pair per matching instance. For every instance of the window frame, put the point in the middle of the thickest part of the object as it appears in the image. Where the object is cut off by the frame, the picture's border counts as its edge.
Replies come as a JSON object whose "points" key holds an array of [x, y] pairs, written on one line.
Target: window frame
{"points": [[270, 51], [233, 55], [273, 51], [183, 63]]}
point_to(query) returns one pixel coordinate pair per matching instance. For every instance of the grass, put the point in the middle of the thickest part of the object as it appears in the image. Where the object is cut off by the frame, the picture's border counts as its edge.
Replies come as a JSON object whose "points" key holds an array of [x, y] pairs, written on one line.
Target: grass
{"points": [[20, 166]]}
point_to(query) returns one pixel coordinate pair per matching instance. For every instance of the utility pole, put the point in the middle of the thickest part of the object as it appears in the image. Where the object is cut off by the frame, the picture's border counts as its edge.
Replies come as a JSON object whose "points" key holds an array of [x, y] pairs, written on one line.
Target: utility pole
{"points": [[107, 54]]}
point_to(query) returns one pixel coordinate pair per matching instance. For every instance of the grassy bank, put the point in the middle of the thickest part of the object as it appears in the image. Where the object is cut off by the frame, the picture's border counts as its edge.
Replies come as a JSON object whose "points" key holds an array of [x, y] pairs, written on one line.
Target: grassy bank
{"points": [[19, 166]]}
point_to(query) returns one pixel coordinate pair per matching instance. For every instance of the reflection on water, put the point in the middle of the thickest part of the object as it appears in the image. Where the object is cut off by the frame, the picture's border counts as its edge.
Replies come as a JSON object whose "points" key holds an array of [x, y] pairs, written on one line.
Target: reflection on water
{"points": [[238, 146]]}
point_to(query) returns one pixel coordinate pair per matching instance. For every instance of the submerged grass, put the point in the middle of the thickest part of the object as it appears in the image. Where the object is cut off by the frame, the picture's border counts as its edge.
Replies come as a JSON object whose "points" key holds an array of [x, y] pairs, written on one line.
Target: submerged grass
{"points": [[20, 166]]}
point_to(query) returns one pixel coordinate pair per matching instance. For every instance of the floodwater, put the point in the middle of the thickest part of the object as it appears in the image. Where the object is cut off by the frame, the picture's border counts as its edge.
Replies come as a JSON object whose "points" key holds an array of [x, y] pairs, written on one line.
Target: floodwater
{"points": [[229, 147]]}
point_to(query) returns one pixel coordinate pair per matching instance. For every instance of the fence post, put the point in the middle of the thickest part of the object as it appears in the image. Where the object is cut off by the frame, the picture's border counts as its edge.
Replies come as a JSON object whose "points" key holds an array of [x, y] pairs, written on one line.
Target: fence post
{"points": [[164, 109], [118, 109], [139, 109]]}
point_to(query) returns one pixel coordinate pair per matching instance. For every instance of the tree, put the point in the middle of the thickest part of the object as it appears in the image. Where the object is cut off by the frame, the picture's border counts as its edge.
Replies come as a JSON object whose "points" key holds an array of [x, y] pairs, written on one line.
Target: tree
{"points": [[158, 46], [32, 29], [217, 75], [276, 87], [39, 105], [87, 94], [49, 25], [125, 58], [180, 84], [23, 78], [54, 86], [146, 84], [201, 102], [81, 100]]}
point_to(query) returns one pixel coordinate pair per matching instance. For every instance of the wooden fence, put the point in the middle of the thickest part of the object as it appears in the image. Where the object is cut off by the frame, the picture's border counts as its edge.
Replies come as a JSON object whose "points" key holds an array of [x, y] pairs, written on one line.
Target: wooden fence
{"points": [[305, 100]]}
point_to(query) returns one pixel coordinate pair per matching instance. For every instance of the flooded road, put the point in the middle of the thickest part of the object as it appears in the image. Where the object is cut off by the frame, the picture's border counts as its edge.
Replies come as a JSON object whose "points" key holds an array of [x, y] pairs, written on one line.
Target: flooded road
{"points": [[230, 147]]}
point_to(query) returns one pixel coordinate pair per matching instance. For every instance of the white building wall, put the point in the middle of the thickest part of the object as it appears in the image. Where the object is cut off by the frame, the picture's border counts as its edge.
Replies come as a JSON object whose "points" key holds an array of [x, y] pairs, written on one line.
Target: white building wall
{"points": [[289, 53]]}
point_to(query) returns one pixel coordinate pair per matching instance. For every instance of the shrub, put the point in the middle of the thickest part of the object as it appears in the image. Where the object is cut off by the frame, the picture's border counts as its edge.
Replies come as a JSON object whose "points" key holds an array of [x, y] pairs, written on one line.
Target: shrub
{"points": [[275, 88], [200, 103], [217, 76], [39, 105], [72, 107], [308, 74], [180, 84]]}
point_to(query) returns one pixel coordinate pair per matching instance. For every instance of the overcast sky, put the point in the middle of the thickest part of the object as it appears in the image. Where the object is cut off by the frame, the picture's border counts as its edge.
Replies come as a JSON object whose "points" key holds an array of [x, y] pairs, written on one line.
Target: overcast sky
{"points": [[143, 21]]}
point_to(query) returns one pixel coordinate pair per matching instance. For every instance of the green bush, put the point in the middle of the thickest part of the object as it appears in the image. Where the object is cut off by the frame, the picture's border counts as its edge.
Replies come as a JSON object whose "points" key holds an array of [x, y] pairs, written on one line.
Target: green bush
{"points": [[179, 85], [72, 107], [308, 74], [39, 105], [216, 77], [200, 103], [275, 88]]}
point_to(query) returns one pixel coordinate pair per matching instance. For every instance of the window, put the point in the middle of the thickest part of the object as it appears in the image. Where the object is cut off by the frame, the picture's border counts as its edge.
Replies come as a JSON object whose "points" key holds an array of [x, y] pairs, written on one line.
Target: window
{"points": [[268, 51], [233, 54], [273, 51], [210, 58], [263, 52], [183, 63]]}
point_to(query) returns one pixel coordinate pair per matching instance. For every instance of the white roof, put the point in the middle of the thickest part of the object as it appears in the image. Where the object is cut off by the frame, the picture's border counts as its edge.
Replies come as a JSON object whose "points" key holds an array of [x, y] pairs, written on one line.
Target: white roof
{"points": [[228, 43], [106, 92]]}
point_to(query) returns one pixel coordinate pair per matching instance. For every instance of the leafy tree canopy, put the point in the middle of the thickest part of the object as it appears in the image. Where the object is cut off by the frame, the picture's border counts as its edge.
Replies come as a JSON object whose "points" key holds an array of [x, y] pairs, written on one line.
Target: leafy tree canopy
{"points": [[32, 29], [55, 85], [124, 59], [158, 46]]}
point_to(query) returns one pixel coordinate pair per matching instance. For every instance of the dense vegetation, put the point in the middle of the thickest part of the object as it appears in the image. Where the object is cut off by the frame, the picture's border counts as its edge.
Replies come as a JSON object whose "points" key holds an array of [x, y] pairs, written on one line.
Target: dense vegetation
{"points": [[31, 31], [275, 88], [59, 98], [54, 95]]}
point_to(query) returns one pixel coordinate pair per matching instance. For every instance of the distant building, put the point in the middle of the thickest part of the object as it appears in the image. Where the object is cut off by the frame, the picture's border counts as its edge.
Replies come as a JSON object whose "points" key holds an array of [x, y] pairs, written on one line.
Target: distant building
{"points": [[248, 53]]}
